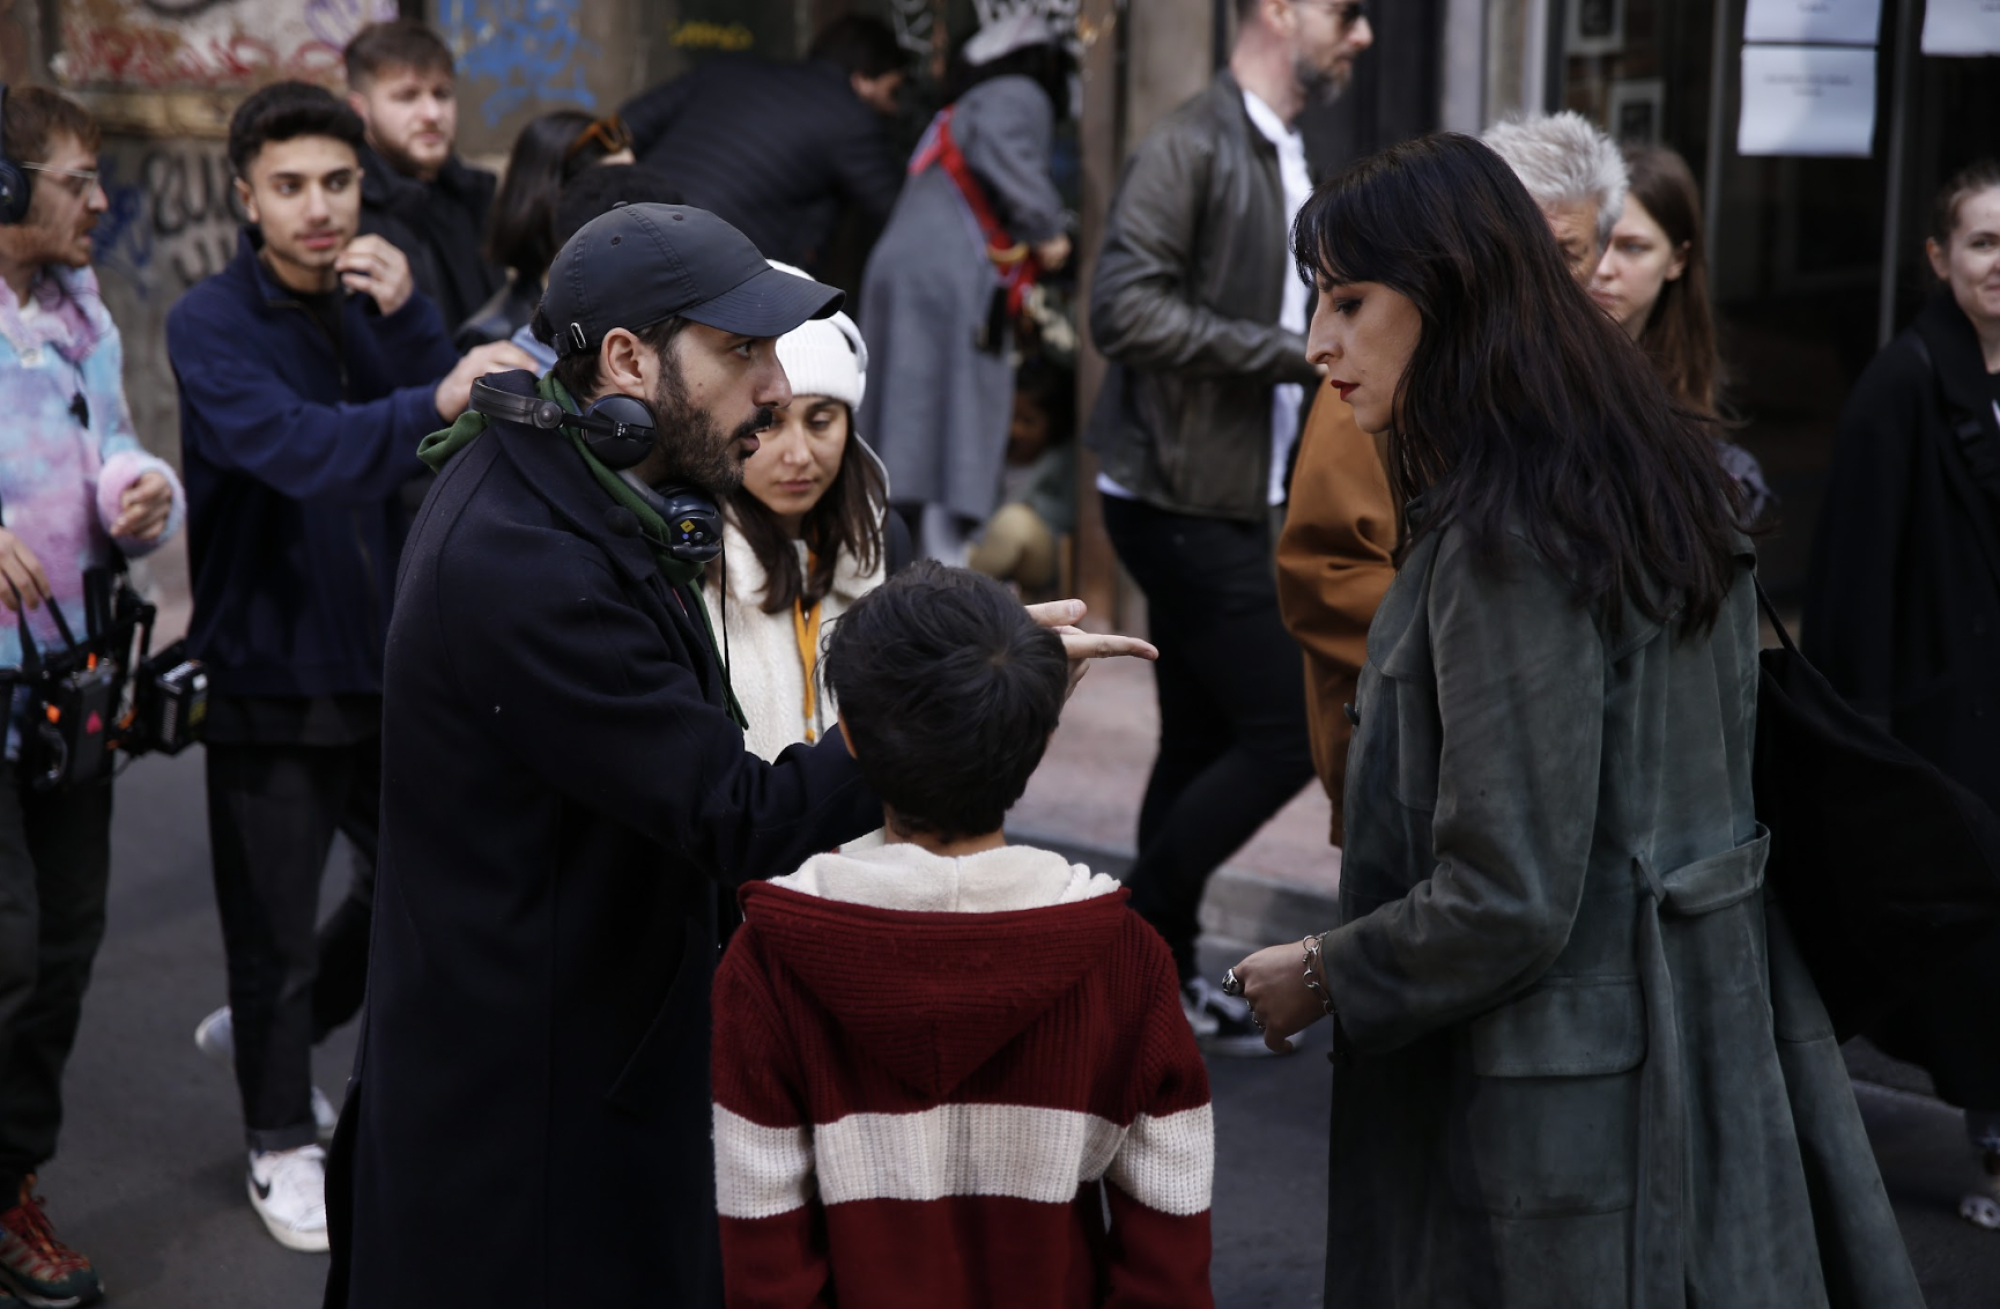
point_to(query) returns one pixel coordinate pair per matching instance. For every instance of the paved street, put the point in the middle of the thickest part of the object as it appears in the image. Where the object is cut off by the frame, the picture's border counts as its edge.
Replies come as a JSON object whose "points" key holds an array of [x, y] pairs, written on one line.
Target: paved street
{"points": [[150, 1183]]}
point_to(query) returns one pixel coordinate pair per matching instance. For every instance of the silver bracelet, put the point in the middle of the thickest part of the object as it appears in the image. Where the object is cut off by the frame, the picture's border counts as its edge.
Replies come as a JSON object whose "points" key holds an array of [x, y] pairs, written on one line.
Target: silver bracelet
{"points": [[1313, 984]]}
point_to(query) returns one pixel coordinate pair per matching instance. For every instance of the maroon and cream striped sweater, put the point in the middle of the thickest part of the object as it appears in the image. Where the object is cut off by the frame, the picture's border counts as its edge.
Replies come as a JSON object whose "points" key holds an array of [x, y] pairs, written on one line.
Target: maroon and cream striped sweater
{"points": [[934, 1076]]}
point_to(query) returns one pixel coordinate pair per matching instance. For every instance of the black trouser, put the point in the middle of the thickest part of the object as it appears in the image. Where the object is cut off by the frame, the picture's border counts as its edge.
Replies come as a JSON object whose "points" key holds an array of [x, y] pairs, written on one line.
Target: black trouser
{"points": [[55, 865], [272, 814], [1233, 743]]}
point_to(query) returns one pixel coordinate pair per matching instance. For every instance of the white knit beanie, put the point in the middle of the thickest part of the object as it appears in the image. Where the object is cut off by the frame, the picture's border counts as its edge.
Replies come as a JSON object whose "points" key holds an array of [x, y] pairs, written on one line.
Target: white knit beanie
{"points": [[825, 356]]}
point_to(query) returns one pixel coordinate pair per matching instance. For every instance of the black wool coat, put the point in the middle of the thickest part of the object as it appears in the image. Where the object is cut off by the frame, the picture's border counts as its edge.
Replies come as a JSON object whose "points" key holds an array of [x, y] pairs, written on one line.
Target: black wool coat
{"points": [[440, 226], [1902, 614], [564, 801]]}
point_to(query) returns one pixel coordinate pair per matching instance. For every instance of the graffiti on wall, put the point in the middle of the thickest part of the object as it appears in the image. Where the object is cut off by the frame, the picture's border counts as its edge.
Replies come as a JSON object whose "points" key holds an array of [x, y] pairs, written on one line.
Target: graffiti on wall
{"points": [[918, 30], [207, 44], [515, 51], [173, 218]]}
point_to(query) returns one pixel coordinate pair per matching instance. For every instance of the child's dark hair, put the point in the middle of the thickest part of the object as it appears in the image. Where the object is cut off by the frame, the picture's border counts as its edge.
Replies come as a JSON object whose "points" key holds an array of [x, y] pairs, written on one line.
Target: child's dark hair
{"points": [[285, 111], [949, 692], [1052, 389]]}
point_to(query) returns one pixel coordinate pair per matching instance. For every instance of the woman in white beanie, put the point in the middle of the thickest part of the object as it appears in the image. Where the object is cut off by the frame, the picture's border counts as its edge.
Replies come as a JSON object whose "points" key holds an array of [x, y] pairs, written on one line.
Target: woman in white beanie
{"points": [[803, 539]]}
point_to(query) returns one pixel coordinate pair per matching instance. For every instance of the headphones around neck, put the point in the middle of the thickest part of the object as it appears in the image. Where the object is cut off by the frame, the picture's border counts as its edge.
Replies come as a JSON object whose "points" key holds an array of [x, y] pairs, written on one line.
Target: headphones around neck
{"points": [[15, 191], [618, 430]]}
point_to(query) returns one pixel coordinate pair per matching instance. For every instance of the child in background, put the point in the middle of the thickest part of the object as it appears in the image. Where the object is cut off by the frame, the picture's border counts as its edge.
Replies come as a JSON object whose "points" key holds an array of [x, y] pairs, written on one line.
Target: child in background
{"points": [[938, 1063], [1023, 542]]}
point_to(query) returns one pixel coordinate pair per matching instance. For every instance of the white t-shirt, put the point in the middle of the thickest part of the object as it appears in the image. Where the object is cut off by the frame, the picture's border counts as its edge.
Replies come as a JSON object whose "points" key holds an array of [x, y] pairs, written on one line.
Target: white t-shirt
{"points": [[1287, 397]]}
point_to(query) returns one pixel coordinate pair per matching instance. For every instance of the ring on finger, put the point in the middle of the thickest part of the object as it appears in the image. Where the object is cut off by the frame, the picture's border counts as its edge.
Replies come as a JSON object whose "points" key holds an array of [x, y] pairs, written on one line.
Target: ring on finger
{"points": [[1231, 983]]}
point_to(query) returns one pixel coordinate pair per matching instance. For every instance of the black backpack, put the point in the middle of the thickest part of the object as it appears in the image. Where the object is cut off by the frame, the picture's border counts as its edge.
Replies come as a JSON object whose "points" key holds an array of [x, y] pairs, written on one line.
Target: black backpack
{"points": [[1884, 867]]}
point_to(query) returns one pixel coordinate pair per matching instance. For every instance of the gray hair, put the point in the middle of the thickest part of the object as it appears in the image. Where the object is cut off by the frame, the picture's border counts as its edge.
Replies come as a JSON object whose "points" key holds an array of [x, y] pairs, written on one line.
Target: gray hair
{"points": [[1563, 160]]}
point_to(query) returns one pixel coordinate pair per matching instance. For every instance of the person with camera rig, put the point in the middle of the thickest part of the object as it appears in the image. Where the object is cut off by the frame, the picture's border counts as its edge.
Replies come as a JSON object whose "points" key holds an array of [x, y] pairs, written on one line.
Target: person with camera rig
{"points": [[309, 370], [77, 496]]}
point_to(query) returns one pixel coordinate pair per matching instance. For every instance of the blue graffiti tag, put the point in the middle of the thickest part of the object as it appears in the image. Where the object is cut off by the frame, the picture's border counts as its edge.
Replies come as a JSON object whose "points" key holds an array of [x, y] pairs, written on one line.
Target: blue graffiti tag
{"points": [[528, 48], [123, 239]]}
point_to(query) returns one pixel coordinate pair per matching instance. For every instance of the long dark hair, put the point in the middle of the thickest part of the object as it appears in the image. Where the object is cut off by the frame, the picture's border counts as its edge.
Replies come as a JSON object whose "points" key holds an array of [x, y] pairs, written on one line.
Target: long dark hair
{"points": [[847, 520], [1679, 335], [551, 149], [1524, 407]]}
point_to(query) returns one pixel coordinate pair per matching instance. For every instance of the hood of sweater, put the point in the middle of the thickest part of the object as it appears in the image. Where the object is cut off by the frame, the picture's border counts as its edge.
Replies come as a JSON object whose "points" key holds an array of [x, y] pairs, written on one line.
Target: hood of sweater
{"points": [[743, 577], [934, 964]]}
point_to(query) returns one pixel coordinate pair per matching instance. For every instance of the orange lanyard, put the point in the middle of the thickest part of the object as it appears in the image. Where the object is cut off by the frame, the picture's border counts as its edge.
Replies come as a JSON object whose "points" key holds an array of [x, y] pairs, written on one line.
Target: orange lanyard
{"points": [[805, 626]]}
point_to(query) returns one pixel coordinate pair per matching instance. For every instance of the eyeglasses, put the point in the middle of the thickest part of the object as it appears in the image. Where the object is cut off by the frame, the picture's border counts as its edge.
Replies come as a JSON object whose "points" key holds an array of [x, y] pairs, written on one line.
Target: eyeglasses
{"points": [[610, 135], [79, 182], [1346, 12]]}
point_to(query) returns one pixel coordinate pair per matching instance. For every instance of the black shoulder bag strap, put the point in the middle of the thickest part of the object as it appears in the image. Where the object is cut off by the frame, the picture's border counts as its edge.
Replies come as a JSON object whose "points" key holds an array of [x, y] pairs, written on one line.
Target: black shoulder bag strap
{"points": [[1981, 455], [1980, 451]]}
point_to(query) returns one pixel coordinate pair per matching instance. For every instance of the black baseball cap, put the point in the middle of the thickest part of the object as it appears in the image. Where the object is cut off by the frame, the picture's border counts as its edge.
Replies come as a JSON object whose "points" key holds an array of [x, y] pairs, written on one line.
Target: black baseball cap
{"points": [[639, 264]]}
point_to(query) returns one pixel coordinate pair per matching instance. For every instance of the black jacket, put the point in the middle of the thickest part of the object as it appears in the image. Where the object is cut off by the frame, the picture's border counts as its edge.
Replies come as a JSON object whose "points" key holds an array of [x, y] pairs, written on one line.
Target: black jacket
{"points": [[563, 796], [774, 149], [1185, 304], [294, 452], [1902, 615], [1903, 600], [440, 226]]}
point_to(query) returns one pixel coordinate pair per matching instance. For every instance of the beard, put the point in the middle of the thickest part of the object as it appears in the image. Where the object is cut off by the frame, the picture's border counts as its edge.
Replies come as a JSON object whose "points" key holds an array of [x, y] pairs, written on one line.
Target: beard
{"points": [[696, 449], [1320, 86]]}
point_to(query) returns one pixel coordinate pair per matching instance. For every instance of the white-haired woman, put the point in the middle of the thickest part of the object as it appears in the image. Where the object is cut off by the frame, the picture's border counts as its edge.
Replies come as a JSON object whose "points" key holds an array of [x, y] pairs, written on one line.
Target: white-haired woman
{"points": [[805, 536]]}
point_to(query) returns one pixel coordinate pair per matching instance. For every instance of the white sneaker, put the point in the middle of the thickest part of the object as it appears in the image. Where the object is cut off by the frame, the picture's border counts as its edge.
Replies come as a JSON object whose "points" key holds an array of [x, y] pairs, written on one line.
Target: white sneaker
{"points": [[1982, 1208], [288, 1191], [215, 1036], [1230, 1030]]}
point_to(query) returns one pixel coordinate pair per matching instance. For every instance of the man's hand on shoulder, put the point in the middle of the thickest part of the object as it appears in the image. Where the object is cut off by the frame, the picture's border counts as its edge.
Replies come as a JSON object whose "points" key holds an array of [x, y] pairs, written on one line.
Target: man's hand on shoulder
{"points": [[454, 393], [371, 266]]}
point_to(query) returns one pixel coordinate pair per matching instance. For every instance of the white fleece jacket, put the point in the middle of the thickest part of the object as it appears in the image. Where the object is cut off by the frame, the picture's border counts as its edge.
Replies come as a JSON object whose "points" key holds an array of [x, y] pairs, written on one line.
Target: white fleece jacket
{"points": [[761, 651]]}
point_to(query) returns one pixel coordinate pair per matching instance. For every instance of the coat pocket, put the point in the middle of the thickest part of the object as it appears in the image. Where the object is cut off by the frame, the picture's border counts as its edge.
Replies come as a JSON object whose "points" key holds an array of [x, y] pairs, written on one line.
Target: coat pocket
{"points": [[1550, 1119], [667, 1072]]}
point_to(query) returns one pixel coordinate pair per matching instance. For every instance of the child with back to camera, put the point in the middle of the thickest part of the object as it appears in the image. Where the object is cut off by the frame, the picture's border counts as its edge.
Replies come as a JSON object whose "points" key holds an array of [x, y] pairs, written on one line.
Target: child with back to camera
{"points": [[921, 1048]]}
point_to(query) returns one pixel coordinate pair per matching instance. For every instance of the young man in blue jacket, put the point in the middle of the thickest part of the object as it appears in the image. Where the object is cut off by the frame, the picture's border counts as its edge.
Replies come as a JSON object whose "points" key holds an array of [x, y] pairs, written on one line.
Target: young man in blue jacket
{"points": [[309, 370]]}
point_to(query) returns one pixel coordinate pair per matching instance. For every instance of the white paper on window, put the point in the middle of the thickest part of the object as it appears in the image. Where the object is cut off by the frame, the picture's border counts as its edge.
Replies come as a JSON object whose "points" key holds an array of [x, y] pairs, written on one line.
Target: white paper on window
{"points": [[1813, 22], [1962, 27], [1807, 100]]}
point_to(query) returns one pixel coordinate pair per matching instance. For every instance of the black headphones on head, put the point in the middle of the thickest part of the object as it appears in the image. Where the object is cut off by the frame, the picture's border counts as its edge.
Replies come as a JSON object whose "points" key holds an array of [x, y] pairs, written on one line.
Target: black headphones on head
{"points": [[15, 191], [618, 430]]}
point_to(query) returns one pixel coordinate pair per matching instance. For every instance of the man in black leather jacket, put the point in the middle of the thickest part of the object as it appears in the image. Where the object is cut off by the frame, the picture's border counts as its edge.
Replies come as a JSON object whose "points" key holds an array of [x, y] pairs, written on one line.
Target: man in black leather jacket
{"points": [[415, 192], [1196, 304]]}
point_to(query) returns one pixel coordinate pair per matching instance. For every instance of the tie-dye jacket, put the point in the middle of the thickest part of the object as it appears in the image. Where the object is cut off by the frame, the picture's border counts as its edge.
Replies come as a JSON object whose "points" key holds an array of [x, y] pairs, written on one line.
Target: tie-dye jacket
{"points": [[61, 479]]}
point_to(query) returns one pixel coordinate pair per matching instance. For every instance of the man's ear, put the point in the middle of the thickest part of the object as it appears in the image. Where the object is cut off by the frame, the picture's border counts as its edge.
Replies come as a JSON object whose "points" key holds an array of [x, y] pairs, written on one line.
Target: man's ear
{"points": [[846, 736], [359, 104], [248, 199], [622, 363]]}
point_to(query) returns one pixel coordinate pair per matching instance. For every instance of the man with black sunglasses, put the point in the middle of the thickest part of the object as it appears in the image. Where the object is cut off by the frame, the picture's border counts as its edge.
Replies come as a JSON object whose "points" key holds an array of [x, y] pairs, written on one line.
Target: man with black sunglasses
{"points": [[1198, 306]]}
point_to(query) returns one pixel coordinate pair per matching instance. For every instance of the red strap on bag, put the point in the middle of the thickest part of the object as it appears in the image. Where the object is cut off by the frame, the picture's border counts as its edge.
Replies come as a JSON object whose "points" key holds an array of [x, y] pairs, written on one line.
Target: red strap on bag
{"points": [[1013, 263]]}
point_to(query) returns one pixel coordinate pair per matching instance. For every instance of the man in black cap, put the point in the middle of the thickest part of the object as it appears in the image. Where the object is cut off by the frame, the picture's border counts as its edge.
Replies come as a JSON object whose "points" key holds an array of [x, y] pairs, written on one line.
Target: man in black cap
{"points": [[567, 800]]}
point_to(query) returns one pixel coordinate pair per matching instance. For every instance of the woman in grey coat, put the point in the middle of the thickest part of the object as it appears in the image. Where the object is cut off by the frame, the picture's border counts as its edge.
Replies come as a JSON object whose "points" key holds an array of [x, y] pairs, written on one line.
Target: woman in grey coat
{"points": [[1577, 1061], [942, 392]]}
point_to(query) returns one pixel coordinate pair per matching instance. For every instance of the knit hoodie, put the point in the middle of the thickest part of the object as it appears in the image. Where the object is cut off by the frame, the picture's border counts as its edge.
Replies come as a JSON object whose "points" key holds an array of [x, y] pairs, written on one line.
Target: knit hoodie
{"points": [[932, 1076]]}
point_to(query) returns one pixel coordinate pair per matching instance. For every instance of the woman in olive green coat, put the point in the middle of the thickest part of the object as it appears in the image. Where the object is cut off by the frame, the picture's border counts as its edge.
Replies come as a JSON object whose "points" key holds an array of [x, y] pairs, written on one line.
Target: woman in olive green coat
{"points": [[1576, 1061]]}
